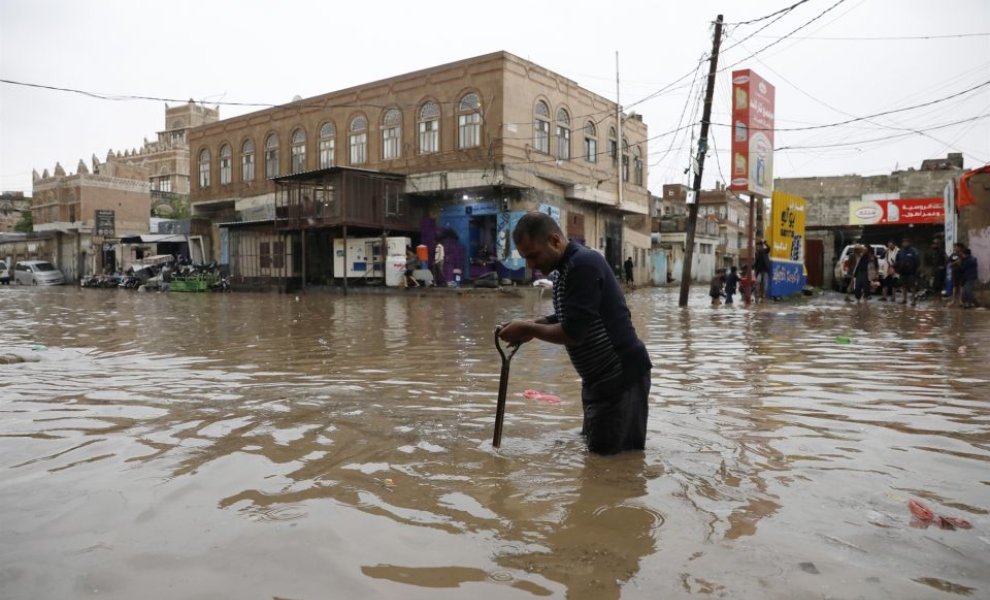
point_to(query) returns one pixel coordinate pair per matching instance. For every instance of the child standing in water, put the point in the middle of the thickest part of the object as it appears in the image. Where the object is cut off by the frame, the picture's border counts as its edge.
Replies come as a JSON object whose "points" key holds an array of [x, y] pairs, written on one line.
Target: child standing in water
{"points": [[716, 290], [731, 281]]}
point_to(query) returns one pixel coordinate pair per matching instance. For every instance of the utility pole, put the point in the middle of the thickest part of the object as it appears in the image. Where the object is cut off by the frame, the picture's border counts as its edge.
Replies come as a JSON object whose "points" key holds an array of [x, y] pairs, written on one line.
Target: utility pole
{"points": [[700, 163]]}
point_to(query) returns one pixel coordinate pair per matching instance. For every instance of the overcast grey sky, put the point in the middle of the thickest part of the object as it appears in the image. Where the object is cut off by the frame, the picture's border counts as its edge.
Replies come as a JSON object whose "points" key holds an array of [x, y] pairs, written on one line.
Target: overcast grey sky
{"points": [[256, 51]]}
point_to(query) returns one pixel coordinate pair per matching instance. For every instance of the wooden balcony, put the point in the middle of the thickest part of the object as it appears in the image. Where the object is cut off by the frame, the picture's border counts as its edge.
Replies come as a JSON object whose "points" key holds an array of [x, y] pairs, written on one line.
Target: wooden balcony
{"points": [[341, 196]]}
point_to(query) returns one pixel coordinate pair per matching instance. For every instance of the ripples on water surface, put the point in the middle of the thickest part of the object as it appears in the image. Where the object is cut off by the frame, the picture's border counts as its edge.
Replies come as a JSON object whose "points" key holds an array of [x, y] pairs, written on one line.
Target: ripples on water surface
{"points": [[255, 446]]}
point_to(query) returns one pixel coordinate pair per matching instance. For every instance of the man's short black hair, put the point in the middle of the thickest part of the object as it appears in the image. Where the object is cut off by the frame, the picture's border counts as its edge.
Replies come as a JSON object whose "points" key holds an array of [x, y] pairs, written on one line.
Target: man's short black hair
{"points": [[536, 227]]}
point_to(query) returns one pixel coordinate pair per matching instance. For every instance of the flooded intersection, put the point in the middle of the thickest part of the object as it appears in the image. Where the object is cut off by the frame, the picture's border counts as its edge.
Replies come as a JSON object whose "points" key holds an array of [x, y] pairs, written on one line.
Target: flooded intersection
{"points": [[256, 446]]}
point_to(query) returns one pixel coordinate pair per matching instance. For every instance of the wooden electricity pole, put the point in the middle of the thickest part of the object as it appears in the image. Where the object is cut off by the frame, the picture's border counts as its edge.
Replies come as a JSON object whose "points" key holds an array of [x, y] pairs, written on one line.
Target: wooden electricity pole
{"points": [[698, 166]]}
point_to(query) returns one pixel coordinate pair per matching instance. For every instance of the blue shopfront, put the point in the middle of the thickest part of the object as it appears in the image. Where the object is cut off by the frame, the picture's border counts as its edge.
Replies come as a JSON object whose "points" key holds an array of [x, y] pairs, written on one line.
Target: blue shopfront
{"points": [[477, 239]]}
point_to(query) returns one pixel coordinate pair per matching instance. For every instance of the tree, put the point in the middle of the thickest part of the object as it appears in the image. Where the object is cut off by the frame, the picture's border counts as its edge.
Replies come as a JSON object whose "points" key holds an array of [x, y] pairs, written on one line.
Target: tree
{"points": [[26, 224]]}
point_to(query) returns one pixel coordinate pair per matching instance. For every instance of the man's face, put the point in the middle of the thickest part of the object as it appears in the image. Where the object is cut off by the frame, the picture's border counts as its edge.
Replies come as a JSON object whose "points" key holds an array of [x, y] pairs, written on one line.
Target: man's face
{"points": [[905, 243], [542, 255]]}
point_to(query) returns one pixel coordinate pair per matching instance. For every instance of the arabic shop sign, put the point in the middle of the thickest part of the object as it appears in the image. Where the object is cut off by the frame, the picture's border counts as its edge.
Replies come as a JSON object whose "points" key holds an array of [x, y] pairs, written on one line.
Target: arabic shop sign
{"points": [[786, 235], [897, 211], [105, 223]]}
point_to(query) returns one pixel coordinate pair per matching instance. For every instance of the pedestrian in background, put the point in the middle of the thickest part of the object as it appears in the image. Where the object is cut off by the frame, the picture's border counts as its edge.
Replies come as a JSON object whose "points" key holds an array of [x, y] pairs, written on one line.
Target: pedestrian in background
{"points": [[864, 274], [937, 258], [886, 272], [970, 274], [629, 270], [715, 291], [955, 273], [439, 255], [906, 265], [731, 282], [762, 268]]}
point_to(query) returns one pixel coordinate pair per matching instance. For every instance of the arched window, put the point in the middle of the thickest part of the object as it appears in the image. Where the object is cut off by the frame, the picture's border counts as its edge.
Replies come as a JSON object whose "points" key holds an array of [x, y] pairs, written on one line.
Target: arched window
{"points": [[226, 166], [204, 168], [328, 135], [541, 127], [429, 127], [298, 151], [247, 160], [637, 167], [590, 142], [271, 156], [359, 140], [391, 134], [469, 121], [613, 146], [625, 160], [563, 135]]}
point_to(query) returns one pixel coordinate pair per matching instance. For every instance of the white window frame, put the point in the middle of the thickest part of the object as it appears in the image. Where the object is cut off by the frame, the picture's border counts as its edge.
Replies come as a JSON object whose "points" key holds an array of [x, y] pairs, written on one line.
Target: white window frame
{"points": [[247, 162], [204, 169], [327, 145], [226, 164]]}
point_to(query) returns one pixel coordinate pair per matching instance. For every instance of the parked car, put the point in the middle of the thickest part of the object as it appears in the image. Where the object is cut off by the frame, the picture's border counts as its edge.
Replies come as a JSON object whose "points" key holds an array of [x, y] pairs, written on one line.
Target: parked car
{"points": [[37, 272], [841, 273], [4, 273]]}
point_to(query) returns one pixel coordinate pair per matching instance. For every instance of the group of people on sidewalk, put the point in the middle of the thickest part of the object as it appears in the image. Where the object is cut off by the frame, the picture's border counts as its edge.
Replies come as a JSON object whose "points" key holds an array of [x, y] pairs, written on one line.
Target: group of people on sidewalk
{"points": [[898, 271]]}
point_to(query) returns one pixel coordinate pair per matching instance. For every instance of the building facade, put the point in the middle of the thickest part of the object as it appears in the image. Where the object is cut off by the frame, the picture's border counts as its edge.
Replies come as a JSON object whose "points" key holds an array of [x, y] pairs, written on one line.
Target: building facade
{"points": [[167, 158], [477, 143], [726, 208], [830, 224], [65, 207]]}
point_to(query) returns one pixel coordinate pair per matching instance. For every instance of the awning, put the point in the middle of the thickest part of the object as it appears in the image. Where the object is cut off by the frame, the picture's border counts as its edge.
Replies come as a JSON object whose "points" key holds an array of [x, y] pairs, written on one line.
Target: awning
{"points": [[153, 238], [965, 197]]}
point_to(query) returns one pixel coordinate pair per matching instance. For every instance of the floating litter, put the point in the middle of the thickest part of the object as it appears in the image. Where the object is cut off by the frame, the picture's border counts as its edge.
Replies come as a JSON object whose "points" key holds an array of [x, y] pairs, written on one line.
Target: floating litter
{"points": [[843, 339]]}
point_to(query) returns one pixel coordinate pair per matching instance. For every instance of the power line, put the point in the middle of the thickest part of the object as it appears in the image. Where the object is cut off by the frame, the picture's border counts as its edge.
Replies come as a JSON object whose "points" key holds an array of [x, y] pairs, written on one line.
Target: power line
{"points": [[919, 131], [879, 114], [765, 17], [884, 38], [782, 38], [124, 97]]}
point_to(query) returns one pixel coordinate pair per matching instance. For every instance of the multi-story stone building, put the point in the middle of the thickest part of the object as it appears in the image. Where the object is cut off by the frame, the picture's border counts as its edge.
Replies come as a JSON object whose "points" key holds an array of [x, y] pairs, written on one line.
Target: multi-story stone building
{"points": [[167, 158], [452, 154], [831, 225], [65, 205], [725, 208]]}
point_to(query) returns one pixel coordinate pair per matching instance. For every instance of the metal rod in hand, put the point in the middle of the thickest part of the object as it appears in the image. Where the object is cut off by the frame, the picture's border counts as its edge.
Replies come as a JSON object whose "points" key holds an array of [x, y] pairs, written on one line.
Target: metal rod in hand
{"points": [[503, 385]]}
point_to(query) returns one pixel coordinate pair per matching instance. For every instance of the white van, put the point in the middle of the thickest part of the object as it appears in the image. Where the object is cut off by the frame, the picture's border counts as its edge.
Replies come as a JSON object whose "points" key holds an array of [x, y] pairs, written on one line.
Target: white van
{"points": [[37, 272]]}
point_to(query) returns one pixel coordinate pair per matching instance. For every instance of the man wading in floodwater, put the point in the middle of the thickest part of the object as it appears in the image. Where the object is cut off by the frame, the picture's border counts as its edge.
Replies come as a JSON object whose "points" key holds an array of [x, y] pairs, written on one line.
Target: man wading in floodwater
{"points": [[592, 321]]}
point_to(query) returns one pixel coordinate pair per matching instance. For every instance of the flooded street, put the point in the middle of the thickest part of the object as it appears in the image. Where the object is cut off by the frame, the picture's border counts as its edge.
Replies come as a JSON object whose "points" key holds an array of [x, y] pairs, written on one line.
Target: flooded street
{"points": [[257, 446]]}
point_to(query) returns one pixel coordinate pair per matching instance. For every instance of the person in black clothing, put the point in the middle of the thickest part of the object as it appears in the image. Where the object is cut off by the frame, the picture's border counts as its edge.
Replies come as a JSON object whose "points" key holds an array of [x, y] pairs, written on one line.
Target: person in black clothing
{"points": [[936, 262], [906, 264], [970, 275], [955, 271], [628, 265], [592, 322], [761, 267], [731, 282]]}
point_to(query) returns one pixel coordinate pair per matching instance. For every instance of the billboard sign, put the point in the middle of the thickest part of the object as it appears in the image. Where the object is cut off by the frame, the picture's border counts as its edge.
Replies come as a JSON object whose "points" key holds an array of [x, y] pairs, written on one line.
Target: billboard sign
{"points": [[949, 205], [752, 134], [786, 239], [900, 211], [105, 223]]}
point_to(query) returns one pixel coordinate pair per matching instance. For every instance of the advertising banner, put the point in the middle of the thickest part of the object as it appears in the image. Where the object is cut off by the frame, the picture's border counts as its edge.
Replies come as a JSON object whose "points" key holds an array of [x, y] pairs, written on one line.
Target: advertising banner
{"points": [[786, 239], [900, 211], [752, 134], [949, 206]]}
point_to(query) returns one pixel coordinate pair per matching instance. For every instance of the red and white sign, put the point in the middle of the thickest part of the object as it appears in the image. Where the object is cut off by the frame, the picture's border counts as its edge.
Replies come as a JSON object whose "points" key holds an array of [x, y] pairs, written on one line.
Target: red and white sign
{"points": [[897, 212], [752, 134]]}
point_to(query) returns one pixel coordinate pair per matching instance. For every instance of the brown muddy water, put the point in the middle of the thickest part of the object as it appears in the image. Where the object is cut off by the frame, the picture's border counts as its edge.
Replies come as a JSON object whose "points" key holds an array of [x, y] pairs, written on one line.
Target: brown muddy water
{"points": [[256, 446]]}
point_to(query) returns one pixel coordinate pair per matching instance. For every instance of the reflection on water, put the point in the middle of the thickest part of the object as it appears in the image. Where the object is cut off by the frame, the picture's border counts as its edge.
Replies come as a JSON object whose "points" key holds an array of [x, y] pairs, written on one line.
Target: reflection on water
{"points": [[260, 446]]}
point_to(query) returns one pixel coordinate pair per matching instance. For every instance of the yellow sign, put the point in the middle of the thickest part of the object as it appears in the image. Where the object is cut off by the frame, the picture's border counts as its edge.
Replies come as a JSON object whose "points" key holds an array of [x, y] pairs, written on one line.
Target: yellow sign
{"points": [[786, 234]]}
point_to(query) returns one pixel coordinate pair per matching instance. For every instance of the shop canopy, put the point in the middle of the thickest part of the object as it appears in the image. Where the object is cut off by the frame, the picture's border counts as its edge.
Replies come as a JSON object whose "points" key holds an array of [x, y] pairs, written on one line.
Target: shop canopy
{"points": [[153, 238], [965, 197]]}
